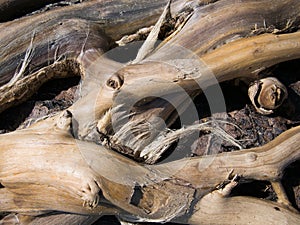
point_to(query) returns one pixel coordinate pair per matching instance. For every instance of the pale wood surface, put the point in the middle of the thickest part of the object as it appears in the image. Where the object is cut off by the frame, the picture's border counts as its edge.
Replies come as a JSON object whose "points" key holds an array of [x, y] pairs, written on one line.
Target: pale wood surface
{"points": [[54, 165]]}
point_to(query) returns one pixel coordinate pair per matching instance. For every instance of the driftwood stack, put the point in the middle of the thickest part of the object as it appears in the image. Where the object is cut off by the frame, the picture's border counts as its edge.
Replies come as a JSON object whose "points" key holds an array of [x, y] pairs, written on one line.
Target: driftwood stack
{"points": [[104, 155]]}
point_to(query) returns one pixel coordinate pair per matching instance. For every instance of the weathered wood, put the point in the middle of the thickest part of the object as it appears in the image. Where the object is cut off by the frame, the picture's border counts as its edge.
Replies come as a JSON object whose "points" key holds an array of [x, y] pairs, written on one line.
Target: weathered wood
{"points": [[47, 219], [54, 32], [77, 184], [217, 24], [62, 173], [243, 58], [217, 209], [59, 40], [262, 163], [164, 75], [80, 170]]}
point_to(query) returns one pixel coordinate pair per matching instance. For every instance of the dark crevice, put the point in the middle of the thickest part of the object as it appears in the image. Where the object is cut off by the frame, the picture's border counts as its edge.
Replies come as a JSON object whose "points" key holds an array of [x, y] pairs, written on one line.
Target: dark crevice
{"points": [[55, 95], [258, 189], [10, 10], [291, 183], [136, 196], [107, 220]]}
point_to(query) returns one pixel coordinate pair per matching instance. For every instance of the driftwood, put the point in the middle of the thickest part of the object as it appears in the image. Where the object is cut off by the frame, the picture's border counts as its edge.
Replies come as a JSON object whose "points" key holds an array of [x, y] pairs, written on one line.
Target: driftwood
{"points": [[79, 170], [67, 163]]}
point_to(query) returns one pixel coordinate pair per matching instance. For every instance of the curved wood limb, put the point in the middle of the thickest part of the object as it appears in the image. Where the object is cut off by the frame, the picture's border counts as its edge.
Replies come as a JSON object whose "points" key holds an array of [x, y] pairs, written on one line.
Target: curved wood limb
{"points": [[60, 173], [149, 193], [177, 83], [216, 209]]}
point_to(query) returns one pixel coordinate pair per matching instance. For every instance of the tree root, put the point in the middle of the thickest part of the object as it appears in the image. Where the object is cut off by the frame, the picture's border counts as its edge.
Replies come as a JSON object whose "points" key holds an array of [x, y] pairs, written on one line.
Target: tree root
{"points": [[67, 171]]}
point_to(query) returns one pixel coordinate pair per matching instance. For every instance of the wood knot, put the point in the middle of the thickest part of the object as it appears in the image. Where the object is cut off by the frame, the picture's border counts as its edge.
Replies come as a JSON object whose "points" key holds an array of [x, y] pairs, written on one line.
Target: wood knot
{"points": [[64, 121], [251, 157], [267, 94], [115, 81]]}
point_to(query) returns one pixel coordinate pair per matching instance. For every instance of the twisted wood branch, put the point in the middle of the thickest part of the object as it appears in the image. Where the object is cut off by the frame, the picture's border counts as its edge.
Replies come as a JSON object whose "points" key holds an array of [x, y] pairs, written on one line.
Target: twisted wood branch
{"points": [[62, 173]]}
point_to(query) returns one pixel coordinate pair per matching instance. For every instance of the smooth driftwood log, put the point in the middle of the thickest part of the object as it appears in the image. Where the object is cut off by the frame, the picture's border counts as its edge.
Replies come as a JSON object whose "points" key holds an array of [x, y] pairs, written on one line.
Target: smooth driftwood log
{"points": [[53, 219], [164, 75], [85, 178], [54, 166]]}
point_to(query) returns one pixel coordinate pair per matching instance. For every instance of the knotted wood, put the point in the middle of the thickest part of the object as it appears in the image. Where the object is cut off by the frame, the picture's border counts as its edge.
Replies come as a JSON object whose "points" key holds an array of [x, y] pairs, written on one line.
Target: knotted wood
{"points": [[67, 163]]}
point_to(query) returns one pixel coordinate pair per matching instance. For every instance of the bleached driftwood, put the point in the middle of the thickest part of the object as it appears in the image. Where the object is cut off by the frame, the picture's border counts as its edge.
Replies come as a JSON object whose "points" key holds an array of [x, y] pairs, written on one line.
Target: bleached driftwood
{"points": [[86, 178], [54, 164]]}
